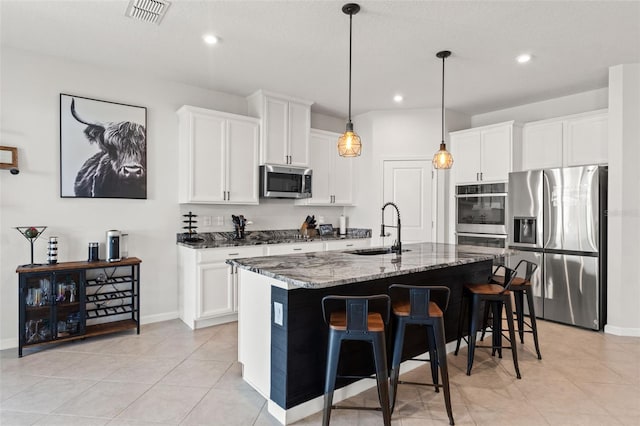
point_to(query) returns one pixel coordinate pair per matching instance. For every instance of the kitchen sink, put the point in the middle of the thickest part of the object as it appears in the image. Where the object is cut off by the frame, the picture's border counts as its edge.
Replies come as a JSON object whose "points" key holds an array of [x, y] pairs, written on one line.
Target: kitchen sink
{"points": [[374, 252]]}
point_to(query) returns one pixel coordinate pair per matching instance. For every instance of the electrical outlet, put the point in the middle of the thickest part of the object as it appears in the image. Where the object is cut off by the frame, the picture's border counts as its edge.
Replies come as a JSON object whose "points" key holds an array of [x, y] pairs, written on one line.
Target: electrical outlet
{"points": [[220, 220], [206, 220], [278, 316]]}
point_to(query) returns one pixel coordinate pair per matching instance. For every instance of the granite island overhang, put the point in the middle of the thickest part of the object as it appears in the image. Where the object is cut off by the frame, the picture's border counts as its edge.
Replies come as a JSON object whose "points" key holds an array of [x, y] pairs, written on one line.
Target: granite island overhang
{"points": [[282, 337]]}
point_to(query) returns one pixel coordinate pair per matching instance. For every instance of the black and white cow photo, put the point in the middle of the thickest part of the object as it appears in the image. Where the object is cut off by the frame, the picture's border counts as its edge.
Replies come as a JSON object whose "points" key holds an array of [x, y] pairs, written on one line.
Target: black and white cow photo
{"points": [[103, 149]]}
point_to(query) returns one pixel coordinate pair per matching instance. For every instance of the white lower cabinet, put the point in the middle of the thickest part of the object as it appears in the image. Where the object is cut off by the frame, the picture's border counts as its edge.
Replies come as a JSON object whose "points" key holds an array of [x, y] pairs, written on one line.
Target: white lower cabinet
{"points": [[207, 286]]}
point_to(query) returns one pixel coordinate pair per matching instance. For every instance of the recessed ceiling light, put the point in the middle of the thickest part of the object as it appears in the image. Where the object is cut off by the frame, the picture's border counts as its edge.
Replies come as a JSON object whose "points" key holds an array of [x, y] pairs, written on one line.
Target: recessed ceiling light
{"points": [[524, 58], [210, 39], [398, 98]]}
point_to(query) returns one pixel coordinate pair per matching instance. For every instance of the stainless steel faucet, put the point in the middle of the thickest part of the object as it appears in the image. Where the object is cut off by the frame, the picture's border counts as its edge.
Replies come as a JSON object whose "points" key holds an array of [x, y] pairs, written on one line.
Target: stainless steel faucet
{"points": [[397, 246]]}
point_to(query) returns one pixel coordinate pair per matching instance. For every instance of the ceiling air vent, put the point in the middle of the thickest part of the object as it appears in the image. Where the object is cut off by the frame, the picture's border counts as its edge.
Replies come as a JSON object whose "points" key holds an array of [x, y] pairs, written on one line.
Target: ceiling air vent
{"points": [[148, 10]]}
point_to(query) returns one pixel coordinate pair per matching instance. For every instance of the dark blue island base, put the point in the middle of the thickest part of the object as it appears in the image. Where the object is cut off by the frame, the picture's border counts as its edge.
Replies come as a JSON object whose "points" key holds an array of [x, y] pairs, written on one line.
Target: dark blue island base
{"points": [[299, 346]]}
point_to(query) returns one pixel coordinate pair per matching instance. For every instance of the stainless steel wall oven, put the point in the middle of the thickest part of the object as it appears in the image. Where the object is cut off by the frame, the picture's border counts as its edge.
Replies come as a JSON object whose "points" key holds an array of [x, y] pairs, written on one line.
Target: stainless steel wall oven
{"points": [[482, 208]]}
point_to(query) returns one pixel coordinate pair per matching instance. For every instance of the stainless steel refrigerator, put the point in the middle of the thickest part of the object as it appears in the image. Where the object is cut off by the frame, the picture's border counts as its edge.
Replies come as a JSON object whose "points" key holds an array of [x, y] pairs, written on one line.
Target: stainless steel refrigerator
{"points": [[558, 220]]}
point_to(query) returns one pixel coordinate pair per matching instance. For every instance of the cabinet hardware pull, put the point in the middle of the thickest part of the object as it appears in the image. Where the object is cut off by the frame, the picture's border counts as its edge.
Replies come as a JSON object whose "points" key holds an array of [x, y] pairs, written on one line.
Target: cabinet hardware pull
{"points": [[297, 249], [349, 245], [233, 254]]}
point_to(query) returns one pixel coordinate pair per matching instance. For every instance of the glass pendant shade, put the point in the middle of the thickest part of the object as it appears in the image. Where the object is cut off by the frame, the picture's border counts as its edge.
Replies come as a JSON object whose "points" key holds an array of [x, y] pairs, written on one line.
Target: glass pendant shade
{"points": [[349, 144], [443, 158]]}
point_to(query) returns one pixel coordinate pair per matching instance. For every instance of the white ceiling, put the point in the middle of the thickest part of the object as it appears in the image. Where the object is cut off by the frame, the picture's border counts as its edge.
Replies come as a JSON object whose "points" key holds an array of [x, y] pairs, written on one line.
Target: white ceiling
{"points": [[300, 48]]}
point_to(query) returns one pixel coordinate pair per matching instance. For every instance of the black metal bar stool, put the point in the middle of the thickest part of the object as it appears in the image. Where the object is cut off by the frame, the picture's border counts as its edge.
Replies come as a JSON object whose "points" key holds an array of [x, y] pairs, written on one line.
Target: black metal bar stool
{"points": [[357, 318], [498, 296], [521, 287], [415, 305]]}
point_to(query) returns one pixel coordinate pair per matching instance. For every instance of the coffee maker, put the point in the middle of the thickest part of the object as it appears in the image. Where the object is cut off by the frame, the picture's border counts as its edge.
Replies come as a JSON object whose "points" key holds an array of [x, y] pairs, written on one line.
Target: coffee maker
{"points": [[113, 245]]}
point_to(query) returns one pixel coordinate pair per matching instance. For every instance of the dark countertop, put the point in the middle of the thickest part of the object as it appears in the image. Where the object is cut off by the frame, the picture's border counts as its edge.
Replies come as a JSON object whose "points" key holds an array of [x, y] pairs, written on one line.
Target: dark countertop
{"points": [[252, 238], [333, 268]]}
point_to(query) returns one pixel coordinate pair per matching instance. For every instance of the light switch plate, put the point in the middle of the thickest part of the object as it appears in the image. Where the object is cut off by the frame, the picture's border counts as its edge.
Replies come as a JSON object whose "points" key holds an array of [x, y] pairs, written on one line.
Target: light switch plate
{"points": [[278, 317]]}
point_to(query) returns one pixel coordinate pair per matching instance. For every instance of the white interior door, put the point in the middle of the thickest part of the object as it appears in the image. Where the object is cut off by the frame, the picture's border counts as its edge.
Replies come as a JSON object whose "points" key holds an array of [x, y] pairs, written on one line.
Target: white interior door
{"points": [[408, 183]]}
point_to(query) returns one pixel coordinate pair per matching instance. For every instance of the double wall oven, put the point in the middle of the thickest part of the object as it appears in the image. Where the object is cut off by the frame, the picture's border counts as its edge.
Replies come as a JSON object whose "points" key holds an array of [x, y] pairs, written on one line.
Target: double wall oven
{"points": [[481, 214]]}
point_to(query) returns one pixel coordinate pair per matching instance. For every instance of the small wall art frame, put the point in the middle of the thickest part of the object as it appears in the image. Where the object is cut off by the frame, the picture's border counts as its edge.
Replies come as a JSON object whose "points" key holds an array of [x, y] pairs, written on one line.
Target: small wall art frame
{"points": [[8, 157], [103, 149]]}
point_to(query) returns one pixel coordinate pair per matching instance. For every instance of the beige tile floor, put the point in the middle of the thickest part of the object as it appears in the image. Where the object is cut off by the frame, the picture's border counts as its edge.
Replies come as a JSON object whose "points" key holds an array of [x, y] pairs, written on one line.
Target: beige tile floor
{"points": [[170, 375]]}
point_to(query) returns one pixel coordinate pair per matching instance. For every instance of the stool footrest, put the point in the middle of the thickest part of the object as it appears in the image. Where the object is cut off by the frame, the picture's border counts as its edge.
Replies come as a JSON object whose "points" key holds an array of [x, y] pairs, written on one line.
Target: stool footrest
{"points": [[493, 347], [403, 382], [355, 377], [342, 407]]}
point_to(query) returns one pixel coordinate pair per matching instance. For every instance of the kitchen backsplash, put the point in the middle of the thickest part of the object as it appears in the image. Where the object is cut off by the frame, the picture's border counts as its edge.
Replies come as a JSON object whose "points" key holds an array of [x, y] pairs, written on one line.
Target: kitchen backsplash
{"points": [[269, 214]]}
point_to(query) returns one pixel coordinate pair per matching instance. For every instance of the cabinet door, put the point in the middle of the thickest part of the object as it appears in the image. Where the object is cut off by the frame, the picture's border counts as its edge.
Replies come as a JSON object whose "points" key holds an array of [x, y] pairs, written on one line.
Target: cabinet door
{"points": [[466, 157], [299, 128], [242, 166], [542, 145], [495, 154], [207, 158], [276, 131], [320, 163], [586, 140], [215, 290], [66, 296], [342, 178], [36, 301]]}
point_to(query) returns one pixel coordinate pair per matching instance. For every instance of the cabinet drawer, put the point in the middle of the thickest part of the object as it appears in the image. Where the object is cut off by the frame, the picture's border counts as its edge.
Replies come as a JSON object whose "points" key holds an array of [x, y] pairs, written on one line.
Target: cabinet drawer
{"points": [[277, 249], [220, 254], [347, 244]]}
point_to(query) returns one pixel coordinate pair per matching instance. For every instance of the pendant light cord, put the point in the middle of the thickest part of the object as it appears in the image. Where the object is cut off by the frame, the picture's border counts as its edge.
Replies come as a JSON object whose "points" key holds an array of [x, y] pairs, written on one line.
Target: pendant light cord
{"points": [[443, 58], [350, 37]]}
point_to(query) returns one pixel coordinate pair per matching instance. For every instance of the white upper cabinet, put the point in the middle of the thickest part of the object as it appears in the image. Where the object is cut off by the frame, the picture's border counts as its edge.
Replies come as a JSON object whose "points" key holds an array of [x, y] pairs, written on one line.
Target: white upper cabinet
{"points": [[332, 181], [573, 140], [485, 154], [218, 157], [587, 139], [542, 145], [286, 123]]}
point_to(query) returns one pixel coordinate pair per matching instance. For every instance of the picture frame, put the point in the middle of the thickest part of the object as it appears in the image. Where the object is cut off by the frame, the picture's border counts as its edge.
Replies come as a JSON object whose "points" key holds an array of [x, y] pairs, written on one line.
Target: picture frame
{"points": [[103, 149], [8, 157]]}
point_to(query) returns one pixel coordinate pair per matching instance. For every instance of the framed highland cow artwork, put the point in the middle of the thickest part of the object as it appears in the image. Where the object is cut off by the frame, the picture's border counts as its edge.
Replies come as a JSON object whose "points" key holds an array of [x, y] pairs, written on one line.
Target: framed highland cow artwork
{"points": [[103, 149]]}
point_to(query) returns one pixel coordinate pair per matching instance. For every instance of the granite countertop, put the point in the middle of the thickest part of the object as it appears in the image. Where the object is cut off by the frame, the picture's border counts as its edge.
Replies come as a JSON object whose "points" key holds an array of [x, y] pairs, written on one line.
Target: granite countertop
{"points": [[333, 268], [252, 238]]}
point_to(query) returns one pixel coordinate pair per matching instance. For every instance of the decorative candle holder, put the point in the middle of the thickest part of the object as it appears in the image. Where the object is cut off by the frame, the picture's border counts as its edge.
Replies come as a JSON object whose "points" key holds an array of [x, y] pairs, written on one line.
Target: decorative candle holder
{"points": [[52, 250], [31, 233]]}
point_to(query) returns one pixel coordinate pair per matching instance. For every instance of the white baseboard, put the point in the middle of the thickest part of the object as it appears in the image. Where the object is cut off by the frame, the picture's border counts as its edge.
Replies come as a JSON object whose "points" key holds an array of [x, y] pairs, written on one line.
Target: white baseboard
{"points": [[166, 316], [622, 331], [8, 343]]}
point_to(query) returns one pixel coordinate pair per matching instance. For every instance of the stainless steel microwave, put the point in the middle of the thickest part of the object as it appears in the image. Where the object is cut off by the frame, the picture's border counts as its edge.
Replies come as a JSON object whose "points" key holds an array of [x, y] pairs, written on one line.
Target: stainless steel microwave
{"points": [[285, 181]]}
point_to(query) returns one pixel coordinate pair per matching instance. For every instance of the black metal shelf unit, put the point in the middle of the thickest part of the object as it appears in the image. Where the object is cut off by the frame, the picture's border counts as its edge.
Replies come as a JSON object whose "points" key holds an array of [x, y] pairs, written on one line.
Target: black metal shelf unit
{"points": [[74, 300]]}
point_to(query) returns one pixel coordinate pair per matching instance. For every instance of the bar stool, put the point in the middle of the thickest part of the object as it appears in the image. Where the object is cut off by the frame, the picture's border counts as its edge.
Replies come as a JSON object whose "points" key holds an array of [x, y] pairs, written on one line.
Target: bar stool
{"points": [[521, 287], [357, 318], [498, 296], [415, 305]]}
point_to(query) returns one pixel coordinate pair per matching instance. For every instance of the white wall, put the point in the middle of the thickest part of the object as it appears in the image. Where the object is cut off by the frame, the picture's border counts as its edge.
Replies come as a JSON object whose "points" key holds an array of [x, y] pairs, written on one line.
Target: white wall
{"points": [[624, 200], [30, 87], [556, 107], [396, 134]]}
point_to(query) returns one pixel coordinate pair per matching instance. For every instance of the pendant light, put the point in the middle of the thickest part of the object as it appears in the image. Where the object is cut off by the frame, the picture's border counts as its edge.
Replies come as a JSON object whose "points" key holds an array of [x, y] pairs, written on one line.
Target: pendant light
{"points": [[443, 158], [349, 144]]}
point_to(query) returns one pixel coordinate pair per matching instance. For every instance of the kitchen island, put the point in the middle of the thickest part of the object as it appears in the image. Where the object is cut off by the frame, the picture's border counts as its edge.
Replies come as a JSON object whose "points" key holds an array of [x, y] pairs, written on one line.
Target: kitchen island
{"points": [[282, 337]]}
